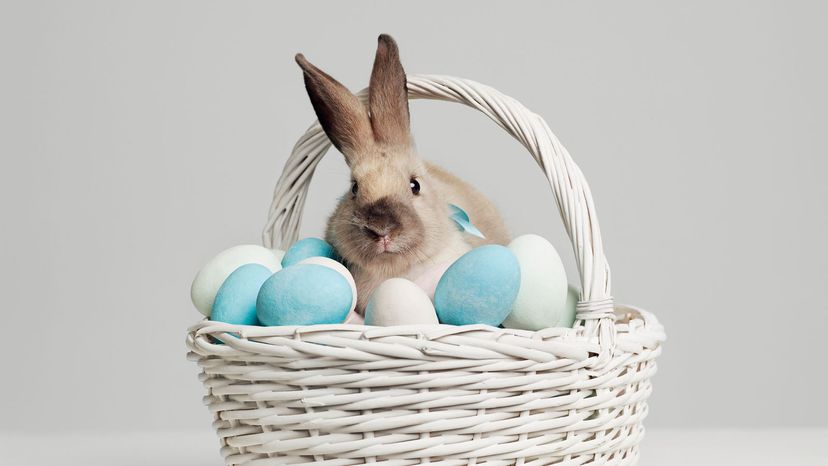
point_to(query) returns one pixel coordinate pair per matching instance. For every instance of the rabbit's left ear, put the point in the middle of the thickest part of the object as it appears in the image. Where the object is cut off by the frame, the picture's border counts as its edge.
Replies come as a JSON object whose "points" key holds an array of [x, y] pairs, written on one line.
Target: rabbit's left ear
{"points": [[342, 116], [388, 95]]}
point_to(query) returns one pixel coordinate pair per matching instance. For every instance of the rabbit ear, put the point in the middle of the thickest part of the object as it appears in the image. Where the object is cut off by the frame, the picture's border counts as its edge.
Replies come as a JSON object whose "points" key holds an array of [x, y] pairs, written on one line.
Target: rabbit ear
{"points": [[341, 114], [388, 95]]}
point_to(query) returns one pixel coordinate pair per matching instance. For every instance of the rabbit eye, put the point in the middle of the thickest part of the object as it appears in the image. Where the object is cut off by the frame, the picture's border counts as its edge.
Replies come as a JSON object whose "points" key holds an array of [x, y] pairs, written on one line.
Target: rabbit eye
{"points": [[354, 188], [415, 186]]}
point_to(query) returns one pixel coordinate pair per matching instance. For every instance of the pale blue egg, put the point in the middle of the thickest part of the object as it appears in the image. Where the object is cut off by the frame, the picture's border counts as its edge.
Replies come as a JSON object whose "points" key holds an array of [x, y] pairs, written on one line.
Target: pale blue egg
{"points": [[479, 287], [235, 301], [304, 294], [541, 301], [307, 247], [212, 275]]}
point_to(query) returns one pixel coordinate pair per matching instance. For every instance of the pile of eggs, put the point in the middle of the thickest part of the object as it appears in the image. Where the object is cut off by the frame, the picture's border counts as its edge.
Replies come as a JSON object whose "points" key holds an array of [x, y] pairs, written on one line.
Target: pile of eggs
{"points": [[522, 285], [254, 285]]}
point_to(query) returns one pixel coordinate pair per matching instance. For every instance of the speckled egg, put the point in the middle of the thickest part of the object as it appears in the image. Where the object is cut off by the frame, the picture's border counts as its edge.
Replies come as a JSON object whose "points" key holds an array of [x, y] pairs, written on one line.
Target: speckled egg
{"points": [[235, 301], [209, 279], [305, 248], [479, 287], [398, 301], [304, 294], [430, 277], [332, 264], [541, 301]]}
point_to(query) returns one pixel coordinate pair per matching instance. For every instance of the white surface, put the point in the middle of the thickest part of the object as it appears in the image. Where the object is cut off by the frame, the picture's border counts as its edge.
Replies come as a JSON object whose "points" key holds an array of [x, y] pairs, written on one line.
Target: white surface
{"points": [[173, 448]]}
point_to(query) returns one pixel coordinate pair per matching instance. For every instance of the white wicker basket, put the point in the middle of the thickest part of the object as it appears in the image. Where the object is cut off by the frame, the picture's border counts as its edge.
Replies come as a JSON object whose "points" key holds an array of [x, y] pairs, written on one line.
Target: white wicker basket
{"points": [[444, 395]]}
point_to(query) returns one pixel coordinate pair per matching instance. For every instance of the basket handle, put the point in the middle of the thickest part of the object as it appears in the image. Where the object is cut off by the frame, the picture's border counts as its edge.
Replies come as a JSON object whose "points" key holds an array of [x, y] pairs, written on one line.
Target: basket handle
{"points": [[572, 195]]}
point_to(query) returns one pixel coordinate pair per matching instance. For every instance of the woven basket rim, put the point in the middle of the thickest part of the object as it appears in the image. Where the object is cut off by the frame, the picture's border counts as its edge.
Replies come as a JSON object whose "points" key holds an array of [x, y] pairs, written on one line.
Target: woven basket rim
{"points": [[650, 323], [641, 333]]}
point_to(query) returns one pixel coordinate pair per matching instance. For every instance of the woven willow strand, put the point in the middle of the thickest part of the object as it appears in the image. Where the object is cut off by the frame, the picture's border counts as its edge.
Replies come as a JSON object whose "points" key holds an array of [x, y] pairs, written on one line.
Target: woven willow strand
{"points": [[439, 394]]}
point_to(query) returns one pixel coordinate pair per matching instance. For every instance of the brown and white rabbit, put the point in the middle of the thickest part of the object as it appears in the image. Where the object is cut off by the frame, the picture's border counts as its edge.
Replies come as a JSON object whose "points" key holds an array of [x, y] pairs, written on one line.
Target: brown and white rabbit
{"points": [[394, 221]]}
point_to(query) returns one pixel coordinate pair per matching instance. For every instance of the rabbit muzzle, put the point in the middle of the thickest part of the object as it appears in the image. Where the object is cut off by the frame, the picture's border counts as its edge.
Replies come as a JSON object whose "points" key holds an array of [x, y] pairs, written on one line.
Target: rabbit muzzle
{"points": [[382, 223]]}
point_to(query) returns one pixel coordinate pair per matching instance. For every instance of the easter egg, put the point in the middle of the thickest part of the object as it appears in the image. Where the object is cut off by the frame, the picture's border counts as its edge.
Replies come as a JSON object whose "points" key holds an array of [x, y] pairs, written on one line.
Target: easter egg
{"points": [[337, 266], [479, 287], [430, 277], [567, 317], [304, 294], [307, 247], [398, 301], [235, 301], [209, 279], [541, 301]]}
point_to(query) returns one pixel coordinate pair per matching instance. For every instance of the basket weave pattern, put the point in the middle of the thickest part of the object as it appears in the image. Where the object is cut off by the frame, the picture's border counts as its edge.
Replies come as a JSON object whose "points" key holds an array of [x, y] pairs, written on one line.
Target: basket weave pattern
{"points": [[447, 395]]}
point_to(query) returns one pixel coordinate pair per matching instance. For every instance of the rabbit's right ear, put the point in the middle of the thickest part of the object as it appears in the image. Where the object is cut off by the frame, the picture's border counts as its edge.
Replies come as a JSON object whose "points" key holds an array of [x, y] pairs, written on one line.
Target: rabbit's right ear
{"points": [[343, 117], [388, 95]]}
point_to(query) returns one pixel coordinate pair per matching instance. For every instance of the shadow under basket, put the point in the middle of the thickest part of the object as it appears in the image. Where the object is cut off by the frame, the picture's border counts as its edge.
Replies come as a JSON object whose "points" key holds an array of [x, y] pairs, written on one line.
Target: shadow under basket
{"points": [[440, 394]]}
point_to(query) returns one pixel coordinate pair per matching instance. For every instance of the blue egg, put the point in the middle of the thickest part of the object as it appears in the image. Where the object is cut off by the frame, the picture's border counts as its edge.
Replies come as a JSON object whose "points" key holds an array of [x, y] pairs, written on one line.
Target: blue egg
{"points": [[307, 247], [304, 294], [236, 298], [479, 287]]}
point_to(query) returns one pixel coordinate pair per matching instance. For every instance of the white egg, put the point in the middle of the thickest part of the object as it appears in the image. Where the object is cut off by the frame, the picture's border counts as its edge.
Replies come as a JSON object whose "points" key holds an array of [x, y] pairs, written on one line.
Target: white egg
{"points": [[279, 255], [398, 301], [542, 299], [430, 277], [209, 279], [332, 264]]}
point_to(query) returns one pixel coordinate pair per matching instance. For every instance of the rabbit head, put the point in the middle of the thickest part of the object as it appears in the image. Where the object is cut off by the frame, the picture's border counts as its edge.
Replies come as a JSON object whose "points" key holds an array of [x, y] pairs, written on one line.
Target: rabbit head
{"points": [[394, 214]]}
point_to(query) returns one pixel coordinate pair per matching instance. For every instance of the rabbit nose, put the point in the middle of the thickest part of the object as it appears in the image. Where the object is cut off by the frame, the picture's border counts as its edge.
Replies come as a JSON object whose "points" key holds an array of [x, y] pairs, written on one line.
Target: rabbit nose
{"points": [[381, 227], [378, 232], [380, 219]]}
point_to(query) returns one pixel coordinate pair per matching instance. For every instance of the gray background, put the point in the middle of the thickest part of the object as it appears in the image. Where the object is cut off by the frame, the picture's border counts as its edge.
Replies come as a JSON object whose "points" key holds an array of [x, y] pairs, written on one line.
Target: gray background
{"points": [[139, 139]]}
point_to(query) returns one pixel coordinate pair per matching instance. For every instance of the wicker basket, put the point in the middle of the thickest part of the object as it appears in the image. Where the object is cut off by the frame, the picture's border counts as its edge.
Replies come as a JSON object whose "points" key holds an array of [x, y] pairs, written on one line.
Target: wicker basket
{"points": [[446, 395]]}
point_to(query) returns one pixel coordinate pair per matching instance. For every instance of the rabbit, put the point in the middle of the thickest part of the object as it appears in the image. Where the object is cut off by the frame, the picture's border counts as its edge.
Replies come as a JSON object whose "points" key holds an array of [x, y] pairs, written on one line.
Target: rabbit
{"points": [[394, 220]]}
